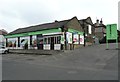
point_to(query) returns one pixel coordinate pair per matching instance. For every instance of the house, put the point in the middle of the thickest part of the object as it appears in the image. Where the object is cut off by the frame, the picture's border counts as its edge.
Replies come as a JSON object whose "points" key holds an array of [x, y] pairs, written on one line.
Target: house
{"points": [[58, 35], [103, 36], [100, 30], [89, 29], [2, 38]]}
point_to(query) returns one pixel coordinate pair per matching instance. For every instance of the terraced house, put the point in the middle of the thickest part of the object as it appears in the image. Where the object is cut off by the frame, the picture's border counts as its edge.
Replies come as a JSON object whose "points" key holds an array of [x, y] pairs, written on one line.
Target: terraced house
{"points": [[58, 35]]}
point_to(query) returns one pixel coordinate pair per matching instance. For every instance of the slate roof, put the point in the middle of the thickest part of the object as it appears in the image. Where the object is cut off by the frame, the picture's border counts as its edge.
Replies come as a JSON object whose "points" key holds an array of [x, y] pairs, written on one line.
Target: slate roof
{"points": [[87, 20], [55, 24], [3, 32]]}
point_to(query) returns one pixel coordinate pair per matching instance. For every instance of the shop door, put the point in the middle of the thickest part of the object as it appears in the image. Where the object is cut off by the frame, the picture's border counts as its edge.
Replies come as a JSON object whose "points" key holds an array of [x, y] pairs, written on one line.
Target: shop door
{"points": [[40, 42], [52, 43], [40, 46]]}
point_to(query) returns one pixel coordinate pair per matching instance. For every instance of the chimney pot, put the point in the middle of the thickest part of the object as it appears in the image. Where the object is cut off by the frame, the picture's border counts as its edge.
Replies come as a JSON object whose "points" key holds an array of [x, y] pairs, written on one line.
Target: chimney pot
{"points": [[101, 21], [56, 21]]}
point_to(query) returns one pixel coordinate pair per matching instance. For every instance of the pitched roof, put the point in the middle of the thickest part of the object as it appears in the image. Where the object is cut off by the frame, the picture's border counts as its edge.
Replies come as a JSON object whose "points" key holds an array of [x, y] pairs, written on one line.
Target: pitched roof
{"points": [[3, 32], [55, 24], [87, 20]]}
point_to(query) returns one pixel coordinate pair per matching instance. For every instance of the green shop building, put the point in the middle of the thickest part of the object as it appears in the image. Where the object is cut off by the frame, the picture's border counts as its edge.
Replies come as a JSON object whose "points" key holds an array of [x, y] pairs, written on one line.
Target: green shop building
{"points": [[59, 35]]}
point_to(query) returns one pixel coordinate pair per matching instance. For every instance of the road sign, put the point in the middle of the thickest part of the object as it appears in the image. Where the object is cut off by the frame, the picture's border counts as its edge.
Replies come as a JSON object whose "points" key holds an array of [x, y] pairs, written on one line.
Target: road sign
{"points": [[111, 33]]}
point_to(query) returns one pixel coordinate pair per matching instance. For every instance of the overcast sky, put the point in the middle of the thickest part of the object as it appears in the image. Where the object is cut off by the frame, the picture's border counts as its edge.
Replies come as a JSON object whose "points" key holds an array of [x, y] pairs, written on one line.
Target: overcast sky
{"points": [[22, 13]]}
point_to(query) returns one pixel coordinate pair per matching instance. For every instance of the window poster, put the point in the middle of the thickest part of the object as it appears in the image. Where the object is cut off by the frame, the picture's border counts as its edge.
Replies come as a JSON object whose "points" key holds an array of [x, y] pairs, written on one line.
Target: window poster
{"points": [[24, 42], [76, 39], [69, 37], [12, 42], [34, 41], [81, 39]]}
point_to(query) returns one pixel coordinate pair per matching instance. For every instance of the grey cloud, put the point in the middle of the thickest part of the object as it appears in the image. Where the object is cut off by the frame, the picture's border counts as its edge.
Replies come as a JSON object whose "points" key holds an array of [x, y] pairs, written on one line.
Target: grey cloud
{"points": [[17, 13]]}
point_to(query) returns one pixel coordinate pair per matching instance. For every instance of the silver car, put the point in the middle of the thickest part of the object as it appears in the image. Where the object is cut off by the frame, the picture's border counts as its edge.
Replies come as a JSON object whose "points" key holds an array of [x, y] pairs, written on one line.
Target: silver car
{"points": [[4, 50]]}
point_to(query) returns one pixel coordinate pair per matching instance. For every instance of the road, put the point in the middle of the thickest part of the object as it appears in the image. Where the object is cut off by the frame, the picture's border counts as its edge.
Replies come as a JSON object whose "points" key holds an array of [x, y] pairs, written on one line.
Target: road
{"points": [[89, 63]]}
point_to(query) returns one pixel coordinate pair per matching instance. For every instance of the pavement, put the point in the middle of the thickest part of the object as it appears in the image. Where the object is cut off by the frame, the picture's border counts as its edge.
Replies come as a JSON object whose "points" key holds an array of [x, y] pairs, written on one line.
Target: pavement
{"points": [[86, 63]]}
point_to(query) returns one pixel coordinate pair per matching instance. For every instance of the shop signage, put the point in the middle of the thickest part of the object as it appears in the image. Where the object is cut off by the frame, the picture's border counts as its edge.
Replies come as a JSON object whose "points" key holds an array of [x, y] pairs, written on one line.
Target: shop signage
{"points": [[69, 37], [76, 39], [81, 39]]}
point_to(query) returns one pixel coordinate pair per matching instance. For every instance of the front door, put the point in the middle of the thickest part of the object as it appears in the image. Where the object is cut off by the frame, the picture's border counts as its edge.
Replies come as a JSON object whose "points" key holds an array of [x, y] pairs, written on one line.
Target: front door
{"points": [[52, 43], [40, 42]]}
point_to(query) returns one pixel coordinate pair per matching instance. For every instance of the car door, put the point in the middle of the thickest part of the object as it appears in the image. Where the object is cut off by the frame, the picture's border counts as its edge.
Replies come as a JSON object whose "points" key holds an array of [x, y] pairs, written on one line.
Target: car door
{"points": [[0, 50]]}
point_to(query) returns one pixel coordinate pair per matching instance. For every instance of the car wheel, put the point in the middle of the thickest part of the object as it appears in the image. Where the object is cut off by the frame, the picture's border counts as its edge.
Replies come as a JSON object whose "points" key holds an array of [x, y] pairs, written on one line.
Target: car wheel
{"points": [[6, 52]]}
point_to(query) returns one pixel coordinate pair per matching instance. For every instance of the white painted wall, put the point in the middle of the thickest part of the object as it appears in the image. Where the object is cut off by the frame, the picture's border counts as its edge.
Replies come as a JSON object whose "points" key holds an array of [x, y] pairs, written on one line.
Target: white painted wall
{"points": [[90, 29], [46, 46], [57, 46]]}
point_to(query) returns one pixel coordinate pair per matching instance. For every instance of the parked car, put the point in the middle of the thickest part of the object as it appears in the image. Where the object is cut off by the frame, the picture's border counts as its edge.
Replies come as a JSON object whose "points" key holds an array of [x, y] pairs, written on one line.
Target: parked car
{"points": [[4, 50]]}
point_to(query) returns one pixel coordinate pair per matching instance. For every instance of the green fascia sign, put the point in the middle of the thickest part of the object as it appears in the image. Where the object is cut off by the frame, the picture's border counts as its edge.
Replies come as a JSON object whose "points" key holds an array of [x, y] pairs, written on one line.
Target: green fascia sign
{"points": [[111, 32], [72, 30], [34, 33]]}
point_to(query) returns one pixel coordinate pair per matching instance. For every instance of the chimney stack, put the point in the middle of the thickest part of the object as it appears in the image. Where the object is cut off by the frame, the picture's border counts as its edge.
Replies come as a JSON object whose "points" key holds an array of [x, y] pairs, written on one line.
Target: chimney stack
{"points": [[56, 21], [101, 22], [97, 22]]}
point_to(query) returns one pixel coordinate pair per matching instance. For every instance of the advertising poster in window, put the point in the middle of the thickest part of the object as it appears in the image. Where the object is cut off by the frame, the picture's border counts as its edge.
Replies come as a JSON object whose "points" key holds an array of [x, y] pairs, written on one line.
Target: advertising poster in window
{"points": [[12, 42], [81, 39], [69, 37], [34, 41], [24, 42], [76, 39]]}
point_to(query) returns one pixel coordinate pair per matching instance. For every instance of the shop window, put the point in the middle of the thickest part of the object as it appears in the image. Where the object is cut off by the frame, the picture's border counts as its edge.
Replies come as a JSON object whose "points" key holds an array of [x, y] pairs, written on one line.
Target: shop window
{"points": [[45, 40], [58, 39], [11, 42], [41, 41], [24, 42], [34, 41], [49, 40]]}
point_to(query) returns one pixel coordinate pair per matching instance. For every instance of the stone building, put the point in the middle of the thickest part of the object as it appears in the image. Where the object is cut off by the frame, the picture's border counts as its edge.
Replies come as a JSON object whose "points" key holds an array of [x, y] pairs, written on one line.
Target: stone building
{"points": [[58, 35], [100, 30]]}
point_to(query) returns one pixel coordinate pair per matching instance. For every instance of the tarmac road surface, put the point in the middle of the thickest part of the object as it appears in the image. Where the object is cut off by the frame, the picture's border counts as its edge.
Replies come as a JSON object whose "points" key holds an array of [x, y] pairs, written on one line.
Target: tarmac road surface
{"points": [[89, 63]]}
